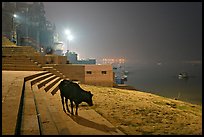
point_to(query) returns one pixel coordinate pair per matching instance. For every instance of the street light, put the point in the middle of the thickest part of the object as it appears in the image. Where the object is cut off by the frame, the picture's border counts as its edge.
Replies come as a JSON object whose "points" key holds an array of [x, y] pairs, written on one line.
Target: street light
{"points": [[14, 15], [67, 32], [13, 29], [69, 38]]}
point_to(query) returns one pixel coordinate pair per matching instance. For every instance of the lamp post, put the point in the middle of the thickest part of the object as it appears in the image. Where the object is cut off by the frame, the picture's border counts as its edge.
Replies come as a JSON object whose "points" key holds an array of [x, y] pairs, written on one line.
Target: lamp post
{"points": [[13, 29], [26, 27], [69, 38]]}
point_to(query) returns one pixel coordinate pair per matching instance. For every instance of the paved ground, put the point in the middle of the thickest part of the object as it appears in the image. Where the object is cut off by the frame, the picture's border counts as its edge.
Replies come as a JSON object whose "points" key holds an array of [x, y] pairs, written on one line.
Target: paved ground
{"points": [[53, 119]]}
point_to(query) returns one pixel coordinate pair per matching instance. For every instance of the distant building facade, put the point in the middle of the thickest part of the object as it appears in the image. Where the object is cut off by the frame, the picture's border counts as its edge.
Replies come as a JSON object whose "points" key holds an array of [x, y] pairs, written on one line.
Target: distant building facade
{"points": [[72, 57], [118, 64], [30, 26]]}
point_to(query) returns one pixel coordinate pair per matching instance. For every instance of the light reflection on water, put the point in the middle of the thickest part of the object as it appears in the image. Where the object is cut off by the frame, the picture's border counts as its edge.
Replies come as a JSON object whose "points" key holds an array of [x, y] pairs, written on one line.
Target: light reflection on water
{"points": [[164, 81]]}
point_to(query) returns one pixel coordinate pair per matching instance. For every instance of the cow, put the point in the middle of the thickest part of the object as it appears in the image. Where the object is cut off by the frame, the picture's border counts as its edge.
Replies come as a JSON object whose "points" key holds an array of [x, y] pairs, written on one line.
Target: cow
{"points": [[73, 92]]}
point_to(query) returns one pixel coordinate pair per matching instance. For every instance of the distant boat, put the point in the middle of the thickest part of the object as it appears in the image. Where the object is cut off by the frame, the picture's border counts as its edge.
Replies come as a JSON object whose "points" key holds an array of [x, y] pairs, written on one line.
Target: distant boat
{"points": [[124, 77], [183, 75]]}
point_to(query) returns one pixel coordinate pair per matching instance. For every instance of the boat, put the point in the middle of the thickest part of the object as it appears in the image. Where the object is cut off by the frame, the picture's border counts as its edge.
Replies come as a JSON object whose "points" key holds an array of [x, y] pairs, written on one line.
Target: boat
{"points": [[124, 77], [183, 75]]}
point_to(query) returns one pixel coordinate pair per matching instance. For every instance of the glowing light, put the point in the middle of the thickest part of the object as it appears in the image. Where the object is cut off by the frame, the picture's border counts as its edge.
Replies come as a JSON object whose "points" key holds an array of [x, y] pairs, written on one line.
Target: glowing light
{"points": [[70, 37], [68, 32]]}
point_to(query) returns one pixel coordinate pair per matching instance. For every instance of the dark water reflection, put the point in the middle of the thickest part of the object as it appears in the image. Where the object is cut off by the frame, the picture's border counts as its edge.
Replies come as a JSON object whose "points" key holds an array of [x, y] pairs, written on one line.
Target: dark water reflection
{"points": [[163, 80]]}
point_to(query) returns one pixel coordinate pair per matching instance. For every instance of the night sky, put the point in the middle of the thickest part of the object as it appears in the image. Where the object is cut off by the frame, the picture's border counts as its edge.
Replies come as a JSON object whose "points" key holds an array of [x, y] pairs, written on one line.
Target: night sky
{"points": [[139, 32]]}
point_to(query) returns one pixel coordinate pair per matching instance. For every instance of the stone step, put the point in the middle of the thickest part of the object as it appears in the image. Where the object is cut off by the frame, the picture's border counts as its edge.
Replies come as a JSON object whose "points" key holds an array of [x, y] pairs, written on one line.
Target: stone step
{"points": [[54, 71], [57, 118], [48, 68], [51, 84], [47, 80], [35, 75], [29, 123], [22, 62], [16, 60], [48, 126], [10, 110], [23, 54], [55, 88], [14, 57], [21, 65], [17, 48], [22, 68], [40, 78]]}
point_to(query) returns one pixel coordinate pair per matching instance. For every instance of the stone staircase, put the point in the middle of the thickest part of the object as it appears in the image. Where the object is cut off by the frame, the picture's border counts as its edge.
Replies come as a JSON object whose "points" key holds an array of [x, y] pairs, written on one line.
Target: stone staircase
{"points": [[20, 58], [26, 119], [31, 119], [17, 58], [7, 42], [33, 111], [27, 106], [19, 63]]}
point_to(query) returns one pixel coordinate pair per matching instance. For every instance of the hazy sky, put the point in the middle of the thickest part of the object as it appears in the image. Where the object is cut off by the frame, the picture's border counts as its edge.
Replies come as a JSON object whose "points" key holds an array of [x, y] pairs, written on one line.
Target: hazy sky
{"points": [[140, 32]]}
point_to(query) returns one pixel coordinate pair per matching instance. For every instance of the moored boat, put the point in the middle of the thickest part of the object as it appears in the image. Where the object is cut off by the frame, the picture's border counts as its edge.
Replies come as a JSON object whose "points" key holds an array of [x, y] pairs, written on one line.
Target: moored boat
{"points": [[183, 75]]}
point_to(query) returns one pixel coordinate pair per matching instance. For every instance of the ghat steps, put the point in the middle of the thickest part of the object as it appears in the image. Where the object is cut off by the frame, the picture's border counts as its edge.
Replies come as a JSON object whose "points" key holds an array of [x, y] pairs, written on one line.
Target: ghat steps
{"points": [[32, 106]]}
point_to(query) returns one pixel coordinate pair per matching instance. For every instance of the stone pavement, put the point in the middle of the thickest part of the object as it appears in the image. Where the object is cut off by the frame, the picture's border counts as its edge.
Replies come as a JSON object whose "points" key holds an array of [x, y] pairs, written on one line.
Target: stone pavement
{"points": [[52, 119]]}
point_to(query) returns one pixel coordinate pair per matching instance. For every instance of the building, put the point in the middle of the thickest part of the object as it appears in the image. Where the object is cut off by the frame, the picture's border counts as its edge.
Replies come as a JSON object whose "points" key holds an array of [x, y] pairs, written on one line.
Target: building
{"points": [[86, 61], [58, 48], [29, 27], [73, 59], [118, 65], [99, 75]]}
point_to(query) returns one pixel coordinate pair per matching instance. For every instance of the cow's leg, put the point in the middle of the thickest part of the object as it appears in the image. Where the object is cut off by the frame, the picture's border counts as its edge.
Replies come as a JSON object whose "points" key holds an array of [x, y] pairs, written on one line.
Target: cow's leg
{"points": [[66, 101], [62, 99], [77, 105], [72, 105]]}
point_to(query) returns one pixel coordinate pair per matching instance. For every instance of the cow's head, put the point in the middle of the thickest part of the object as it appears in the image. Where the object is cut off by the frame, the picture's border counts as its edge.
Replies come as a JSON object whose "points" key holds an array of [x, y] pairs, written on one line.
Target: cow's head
{"points": [[89, 100]]}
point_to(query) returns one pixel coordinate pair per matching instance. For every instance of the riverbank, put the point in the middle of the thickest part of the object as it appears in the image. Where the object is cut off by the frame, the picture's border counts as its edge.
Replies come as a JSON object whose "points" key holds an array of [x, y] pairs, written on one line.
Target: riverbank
{"points": [[140, 113]]}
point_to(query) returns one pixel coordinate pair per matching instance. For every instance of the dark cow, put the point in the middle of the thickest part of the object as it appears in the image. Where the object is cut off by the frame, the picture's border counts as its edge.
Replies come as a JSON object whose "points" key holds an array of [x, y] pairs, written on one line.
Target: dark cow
{"points": [[73, 92]]}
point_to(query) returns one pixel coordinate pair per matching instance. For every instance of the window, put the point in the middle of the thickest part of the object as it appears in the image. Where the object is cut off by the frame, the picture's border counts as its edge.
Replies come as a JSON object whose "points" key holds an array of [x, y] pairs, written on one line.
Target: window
{"points": [[88, 72], [104, 72]]}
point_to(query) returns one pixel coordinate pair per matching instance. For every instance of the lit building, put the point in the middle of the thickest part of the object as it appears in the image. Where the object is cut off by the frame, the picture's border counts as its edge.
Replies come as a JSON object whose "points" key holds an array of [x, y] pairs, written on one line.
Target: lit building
{"points": [[72, 57], [118, 64], [29, 27], [58, 45]]}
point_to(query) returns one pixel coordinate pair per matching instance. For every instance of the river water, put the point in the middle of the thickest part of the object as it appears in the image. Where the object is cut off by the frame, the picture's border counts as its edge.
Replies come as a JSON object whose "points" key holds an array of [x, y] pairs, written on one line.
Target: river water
{"points": [[163, 80]]}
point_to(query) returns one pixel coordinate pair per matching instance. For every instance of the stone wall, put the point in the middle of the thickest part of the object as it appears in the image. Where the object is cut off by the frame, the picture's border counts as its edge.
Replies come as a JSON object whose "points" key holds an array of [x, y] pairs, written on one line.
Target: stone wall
{"points": [[50, 59], [73, 72], [100, 75]]}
